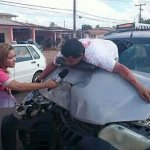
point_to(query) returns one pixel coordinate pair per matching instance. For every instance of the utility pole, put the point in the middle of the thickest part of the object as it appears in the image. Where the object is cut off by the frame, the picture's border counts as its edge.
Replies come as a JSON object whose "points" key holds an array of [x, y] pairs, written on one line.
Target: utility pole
{"points": [[140, 13], [74, 18], [64, 24]]}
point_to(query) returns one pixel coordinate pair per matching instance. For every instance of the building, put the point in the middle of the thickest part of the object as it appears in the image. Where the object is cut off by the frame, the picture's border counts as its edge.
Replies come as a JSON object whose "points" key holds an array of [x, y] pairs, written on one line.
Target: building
{"points": [[11, 31], [94, 33], [132, 26]]}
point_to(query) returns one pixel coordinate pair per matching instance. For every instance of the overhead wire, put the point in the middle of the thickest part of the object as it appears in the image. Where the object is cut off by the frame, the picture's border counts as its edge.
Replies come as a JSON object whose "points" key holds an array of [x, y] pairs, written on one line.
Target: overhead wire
{"points": [[34, 8], [37, 7], [98, 16], [99, 19]]}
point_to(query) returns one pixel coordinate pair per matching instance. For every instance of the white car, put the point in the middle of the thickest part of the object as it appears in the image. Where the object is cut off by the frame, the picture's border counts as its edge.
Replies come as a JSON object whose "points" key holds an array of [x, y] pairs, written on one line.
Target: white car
{"points": [[30, 62]]}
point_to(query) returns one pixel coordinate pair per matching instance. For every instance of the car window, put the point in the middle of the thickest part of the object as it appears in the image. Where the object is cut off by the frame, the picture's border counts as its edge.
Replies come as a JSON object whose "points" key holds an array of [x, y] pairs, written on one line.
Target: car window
{"points": [[122, 45], [22, 54], [137, 57], [34, 53]]}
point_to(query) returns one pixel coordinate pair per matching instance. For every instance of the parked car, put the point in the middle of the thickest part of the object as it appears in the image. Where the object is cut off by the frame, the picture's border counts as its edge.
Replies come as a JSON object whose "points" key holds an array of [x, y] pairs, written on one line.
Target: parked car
{"points": [[30, 62], [134, 49], [31, 42]]}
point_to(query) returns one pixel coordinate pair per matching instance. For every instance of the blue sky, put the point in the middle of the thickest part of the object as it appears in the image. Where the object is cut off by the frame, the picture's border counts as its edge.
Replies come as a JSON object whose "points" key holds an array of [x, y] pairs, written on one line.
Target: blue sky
{"points": [[121, 5], [95, 12]]}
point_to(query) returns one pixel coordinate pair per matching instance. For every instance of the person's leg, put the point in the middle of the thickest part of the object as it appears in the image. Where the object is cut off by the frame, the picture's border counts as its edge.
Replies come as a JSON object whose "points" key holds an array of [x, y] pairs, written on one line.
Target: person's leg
{"points": [[10, 125], [93, 143], [8, 132], [39, 128]]}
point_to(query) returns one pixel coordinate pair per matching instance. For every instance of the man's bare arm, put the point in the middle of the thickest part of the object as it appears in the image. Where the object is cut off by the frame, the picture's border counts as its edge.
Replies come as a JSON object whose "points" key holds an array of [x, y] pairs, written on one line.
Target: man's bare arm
{"points": [[128, 75], [49, 68]]}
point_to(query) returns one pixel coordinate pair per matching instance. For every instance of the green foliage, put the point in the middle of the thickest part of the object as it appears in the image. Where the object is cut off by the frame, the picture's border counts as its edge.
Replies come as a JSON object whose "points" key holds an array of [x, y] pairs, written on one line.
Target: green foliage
{"points": [[97, 26], [146, 21], [86, 27]]}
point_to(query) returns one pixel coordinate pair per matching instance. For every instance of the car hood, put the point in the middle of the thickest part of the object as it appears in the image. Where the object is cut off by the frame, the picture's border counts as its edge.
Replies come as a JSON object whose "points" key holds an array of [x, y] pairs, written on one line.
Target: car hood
{"points": [[97, 96]]}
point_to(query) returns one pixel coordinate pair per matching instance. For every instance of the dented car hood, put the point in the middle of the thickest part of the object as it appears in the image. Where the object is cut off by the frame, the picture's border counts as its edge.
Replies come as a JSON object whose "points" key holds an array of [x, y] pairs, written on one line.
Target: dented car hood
{"points": [[98, 96]]}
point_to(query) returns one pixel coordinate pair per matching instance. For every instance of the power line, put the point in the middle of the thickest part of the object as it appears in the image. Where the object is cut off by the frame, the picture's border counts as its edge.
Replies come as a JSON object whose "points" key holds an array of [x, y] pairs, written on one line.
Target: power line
{"points": [[99, 16], [99, 19], [36, 7]]}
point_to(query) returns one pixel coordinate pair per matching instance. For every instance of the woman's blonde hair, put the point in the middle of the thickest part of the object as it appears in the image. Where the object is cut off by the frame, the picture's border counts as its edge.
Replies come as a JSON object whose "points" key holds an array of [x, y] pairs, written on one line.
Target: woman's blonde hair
{"points": [[4, 50]]}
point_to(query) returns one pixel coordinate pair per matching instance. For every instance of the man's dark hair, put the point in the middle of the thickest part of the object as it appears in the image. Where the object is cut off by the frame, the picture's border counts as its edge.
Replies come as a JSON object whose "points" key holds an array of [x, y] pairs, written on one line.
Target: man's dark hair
{"points": [[72, 47]]}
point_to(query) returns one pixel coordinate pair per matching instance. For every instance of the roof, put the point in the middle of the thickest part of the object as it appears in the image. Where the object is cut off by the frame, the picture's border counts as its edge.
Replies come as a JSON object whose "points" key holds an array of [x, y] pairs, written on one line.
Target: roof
{"points": [[57, 28], [136, 34], [9, 22], [32, 25], [96, 31], [8, 14], [4, 22], [54, 27]]}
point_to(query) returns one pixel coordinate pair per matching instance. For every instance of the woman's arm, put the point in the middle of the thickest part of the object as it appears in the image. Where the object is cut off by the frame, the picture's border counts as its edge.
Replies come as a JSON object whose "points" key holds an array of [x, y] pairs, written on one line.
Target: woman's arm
{"points": [[22, 87], [128, 75]]}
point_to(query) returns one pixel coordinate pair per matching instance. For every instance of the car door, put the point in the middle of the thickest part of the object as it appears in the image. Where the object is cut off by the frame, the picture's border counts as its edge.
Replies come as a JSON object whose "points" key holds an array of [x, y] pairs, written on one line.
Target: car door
{"points": [[25, 64], [38, 56]]}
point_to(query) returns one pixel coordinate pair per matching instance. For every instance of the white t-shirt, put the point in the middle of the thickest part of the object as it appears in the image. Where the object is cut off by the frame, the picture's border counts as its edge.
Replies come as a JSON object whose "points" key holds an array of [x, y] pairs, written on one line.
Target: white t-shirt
{"points": [[99, 52]]}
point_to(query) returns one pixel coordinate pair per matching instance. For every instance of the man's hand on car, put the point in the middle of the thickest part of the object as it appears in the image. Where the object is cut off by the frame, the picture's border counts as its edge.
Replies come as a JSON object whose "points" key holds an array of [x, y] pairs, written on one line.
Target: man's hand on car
{"points": [[144, 93]]}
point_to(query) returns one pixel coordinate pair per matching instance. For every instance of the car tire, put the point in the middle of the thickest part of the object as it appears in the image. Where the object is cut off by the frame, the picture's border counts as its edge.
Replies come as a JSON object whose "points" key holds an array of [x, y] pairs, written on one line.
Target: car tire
{"points": [[35, 76]]}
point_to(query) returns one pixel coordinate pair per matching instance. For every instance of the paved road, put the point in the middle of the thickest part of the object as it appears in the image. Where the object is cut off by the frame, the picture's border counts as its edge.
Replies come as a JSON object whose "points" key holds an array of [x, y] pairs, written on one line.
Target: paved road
{"points": [[20, 96]]}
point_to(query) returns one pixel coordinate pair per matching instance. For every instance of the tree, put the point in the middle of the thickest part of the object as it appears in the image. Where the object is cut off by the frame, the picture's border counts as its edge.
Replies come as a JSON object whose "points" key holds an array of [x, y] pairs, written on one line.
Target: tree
{"points": [[97, 26], [114, 27], [86, 27], [52, 25], [146, 21]]}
